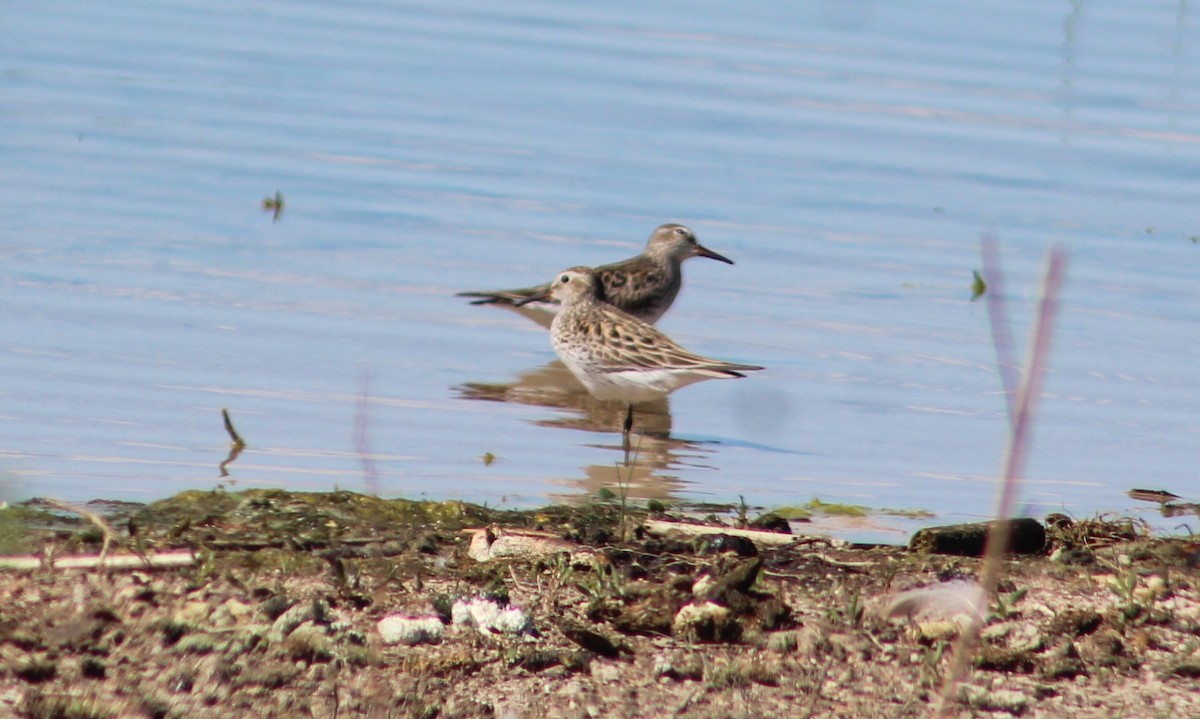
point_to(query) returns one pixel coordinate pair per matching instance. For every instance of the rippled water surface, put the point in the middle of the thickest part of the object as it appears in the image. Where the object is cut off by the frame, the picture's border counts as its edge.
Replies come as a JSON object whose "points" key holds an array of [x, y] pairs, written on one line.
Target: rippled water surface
{"points": [[847, 155]]}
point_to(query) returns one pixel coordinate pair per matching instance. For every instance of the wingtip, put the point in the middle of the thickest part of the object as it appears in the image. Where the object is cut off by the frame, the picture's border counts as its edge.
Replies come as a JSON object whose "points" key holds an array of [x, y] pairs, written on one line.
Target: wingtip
{"points": [[484, 298], [745, 368]]}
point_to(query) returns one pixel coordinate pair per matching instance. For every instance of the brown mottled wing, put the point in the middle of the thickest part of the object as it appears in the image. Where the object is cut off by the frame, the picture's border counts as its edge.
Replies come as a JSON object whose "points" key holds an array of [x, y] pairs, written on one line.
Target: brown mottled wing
{"points": [[505, 297], [635, 285], [625, 343]]}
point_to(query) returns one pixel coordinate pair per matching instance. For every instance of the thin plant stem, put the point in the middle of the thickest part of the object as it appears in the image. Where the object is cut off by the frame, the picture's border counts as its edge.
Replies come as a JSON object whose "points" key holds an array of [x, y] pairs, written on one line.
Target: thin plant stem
{"points": [[993, 276], [361, 422], [1015, 455]]}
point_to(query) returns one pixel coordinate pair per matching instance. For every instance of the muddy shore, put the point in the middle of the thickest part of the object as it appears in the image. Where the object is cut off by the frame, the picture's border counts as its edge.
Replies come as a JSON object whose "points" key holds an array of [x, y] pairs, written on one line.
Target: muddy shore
{"points": [[342, 605]]}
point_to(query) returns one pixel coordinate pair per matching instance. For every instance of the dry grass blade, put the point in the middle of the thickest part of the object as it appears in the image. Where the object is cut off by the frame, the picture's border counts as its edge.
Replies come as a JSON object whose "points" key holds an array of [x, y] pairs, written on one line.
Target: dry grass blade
{"points": [[90, 516], [1016, 451]]}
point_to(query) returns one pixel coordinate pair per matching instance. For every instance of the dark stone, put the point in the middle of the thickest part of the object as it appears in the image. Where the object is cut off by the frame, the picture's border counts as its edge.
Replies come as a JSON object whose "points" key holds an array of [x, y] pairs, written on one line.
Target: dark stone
{"points": [[771, 522], [1063, 663], [591, 640], [35, 670], [1074, 622], [1025, 536], [774, 614], [652, 616], [636, 571], [742, 575], [92, 668], [710, 544], [1004, 660]]}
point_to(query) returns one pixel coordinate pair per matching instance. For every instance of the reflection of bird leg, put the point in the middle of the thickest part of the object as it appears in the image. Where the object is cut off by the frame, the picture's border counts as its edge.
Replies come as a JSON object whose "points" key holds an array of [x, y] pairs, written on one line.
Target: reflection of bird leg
{"points": [[234, 450], [238, 444], [628, 427]]}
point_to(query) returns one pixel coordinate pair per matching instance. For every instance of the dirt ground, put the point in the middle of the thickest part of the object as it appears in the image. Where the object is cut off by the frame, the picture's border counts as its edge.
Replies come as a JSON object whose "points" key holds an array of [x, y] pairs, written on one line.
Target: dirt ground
{"points": [[343, 605]]}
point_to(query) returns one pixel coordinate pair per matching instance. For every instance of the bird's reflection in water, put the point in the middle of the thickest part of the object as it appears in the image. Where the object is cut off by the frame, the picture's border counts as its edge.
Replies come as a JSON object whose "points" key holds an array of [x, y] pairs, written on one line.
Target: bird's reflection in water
{"points": [[544, 316], [553, 385]]}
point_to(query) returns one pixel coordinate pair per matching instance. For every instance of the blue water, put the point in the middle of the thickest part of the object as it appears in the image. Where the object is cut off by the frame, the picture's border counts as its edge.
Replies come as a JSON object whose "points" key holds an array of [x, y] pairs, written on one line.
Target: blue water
{"points": [[847, 155]]}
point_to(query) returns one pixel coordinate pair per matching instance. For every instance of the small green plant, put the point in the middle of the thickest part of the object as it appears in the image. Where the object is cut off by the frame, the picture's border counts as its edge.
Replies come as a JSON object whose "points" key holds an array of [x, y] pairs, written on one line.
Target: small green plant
{"points": [[855, 609], [274, 205], [742, 672], [1136, 598], [603, 582], [836, 509], [1124, 584], [931, 664], [978, 286], [561, 569], [725, 676], [357, 655], [12, 531], [830, 509], [624, 484], [623, 489], [743, 512], [46, 706], [1003, 607], [851, 611]]}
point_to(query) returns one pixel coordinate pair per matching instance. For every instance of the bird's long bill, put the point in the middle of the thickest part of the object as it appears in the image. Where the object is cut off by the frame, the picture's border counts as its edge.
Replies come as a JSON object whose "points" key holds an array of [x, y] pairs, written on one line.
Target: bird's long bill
{"points": [[540, 296], [702, 251]]}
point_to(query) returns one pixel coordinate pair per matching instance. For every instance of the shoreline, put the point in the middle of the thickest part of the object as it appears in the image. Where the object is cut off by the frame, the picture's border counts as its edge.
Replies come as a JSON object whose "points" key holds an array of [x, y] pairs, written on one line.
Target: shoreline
{"points": [[341, 604]]}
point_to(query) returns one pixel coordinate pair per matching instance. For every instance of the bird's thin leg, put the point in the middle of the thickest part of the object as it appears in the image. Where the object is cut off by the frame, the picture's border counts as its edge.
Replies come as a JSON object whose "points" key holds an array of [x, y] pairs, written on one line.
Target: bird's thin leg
{"points": [[625, 434]]}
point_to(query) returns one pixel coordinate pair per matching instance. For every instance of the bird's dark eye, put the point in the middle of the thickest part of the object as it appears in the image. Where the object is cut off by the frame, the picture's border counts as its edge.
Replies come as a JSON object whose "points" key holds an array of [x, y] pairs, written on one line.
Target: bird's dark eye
{"points": [[566, 279]]}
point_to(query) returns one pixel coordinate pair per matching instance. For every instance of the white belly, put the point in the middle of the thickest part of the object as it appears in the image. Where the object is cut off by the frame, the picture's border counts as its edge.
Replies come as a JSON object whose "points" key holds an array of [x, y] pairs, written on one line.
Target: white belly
{"points": [[634, 385]]}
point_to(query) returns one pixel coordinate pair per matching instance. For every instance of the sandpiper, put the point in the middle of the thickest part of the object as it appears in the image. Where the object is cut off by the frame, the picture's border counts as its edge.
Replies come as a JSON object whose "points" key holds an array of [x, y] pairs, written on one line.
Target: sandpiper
{"points": [[644, 286], [616, 355]]}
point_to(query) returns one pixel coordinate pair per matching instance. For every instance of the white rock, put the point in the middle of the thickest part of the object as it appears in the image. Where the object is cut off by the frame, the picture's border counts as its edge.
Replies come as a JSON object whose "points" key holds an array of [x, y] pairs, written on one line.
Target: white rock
{"points": [[704, 622], [489, 617], [403, 629]]}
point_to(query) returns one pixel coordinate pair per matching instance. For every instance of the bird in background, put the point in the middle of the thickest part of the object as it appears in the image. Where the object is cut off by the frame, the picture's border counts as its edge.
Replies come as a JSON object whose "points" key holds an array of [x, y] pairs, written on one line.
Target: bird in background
{"points": [[644, 286], [616, 355]]}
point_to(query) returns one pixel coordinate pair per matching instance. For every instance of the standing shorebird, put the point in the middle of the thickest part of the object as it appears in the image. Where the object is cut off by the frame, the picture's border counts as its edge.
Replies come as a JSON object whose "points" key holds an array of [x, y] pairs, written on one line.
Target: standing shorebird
{"points": [[644, 286], [616, 355]]}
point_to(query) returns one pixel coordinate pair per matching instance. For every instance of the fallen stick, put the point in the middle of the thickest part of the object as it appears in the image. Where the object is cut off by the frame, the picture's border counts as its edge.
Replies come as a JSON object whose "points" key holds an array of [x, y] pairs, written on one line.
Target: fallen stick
{"points": [[119, 561], [658, 526], [500, 543]]}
